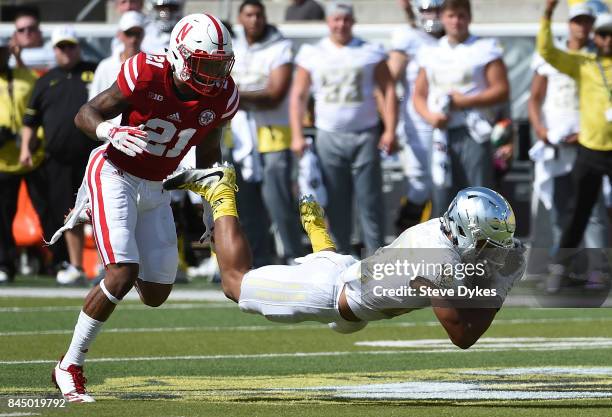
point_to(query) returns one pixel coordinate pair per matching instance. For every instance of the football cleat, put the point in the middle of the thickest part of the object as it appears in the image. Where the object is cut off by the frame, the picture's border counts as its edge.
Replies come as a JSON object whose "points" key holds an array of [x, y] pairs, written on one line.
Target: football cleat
{"points": [[311, 212], [203, 181], [71, 383], [70, 275]]}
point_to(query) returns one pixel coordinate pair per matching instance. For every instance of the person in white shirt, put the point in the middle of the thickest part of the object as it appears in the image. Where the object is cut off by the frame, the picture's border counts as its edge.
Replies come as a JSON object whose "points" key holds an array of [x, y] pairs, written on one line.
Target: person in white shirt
{"points": [[263, 72], [130, 33], [460, 80], [554, 113], [343, 73], [423, 30]]}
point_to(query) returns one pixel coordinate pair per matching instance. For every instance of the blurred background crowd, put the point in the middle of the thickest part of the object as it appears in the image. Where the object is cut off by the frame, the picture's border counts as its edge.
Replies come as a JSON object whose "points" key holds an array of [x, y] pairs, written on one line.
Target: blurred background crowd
{"points": [[382, 109]]}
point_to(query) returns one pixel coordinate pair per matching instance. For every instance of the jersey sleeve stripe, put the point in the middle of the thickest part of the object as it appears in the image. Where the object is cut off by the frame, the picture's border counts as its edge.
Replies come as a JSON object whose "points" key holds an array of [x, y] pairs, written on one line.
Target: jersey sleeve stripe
{"points": [[127, 74], [230, 102], [134, 69], [232, 111]]}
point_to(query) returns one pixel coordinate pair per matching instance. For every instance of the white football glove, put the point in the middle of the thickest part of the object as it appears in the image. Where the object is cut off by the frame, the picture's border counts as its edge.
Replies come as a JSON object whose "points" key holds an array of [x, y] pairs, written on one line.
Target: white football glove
{"points": [[127, 139]]}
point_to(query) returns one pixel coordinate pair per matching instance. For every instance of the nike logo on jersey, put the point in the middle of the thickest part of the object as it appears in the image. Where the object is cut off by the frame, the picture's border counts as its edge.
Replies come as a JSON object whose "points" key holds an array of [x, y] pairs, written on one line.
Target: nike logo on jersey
{"points": [[174, 116]]}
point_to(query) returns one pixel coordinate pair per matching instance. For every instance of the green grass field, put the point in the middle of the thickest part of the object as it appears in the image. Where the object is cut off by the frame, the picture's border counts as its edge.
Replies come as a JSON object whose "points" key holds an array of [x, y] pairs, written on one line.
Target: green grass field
{"points": [[209, 359]]}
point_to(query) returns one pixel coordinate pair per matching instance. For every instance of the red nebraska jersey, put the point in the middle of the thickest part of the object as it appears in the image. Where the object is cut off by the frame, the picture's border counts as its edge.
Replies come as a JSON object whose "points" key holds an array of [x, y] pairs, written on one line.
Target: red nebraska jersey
{"points": [[173, 126]]}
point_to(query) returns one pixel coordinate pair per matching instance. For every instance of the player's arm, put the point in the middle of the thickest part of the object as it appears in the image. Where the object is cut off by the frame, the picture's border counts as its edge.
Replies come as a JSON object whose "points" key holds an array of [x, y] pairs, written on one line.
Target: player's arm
{"points": [[397, 62], [92, 120], [300, 91], [273, 94], [386, 84], [497, 91], [565, 62], [209, 150], [464, 326], [539, 85], [421, 91]]}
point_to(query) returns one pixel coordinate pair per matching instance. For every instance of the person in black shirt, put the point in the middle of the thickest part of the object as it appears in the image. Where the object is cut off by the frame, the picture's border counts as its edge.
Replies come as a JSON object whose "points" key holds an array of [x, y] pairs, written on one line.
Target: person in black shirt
{"points": [[56, 99]]}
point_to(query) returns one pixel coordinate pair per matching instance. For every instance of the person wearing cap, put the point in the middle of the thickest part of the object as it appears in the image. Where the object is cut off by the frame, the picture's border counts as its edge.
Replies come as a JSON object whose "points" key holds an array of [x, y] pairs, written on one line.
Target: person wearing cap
{"points": [[130, 33], [344, 72], [593, 75], [554, 113], [56, 99], [16, 86]]}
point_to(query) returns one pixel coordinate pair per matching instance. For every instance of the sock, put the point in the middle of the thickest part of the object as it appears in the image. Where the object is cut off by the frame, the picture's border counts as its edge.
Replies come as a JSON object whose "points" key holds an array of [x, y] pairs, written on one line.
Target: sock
{"points": [[319, 237], [223, 202], [85, 332]]}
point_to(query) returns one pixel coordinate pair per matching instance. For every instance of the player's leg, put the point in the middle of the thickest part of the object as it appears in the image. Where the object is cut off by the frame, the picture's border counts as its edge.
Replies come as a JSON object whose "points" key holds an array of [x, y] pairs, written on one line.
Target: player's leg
{"points": [[157, 245], [218, 186], [113, 218]]}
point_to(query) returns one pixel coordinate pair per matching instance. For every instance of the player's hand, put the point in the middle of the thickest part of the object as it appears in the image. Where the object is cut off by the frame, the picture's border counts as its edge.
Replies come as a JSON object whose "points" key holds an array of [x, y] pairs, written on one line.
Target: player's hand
{"points": [[438, 120], [551, 5], [298, 144], [388, 143], [542, 134], [571, 139], [127, 139], [25, 157]]}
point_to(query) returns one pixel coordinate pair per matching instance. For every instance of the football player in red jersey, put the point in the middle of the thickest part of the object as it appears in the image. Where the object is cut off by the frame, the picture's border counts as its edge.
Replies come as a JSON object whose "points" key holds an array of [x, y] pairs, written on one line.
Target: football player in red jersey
{"points": [[168, 104]]}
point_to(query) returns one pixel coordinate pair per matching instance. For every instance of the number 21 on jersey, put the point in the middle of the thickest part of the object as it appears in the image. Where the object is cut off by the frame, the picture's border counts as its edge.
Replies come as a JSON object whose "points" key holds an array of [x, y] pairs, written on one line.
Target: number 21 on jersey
{"points": [[160, 134]]}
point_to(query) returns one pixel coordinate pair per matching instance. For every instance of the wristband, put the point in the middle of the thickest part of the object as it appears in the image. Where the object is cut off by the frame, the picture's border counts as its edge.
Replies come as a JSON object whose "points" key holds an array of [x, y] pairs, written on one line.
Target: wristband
{"points": [[103, 130]]}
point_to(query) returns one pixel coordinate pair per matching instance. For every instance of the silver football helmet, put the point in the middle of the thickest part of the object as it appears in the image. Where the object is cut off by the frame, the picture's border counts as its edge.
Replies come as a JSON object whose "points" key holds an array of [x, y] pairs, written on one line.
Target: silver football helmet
{"points": [[427, 14], [480, 217], [166, 13]]}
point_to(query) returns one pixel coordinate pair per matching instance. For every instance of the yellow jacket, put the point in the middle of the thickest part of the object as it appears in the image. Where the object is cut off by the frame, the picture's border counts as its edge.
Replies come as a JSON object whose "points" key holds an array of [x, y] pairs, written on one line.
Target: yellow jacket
{"points": [[595, 130], [11, 116]]}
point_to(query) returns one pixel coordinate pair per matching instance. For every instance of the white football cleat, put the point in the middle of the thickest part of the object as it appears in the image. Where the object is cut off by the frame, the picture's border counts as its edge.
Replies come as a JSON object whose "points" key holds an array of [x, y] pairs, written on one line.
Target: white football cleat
{"points": [[70, 275], [71, 382]]}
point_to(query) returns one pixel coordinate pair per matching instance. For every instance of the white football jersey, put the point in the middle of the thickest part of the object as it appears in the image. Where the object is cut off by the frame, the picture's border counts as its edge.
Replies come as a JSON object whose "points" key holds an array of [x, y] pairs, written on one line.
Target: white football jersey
{"points": [[252, 69], [425, 246], [459, 68], [561, 104], [409, 41], [342, 83]]}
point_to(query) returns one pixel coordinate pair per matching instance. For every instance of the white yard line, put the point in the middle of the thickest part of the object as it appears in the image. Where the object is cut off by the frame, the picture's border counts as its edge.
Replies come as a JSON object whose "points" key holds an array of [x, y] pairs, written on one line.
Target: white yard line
{"points": [[300, 326], [449, 349], [80, 293]]}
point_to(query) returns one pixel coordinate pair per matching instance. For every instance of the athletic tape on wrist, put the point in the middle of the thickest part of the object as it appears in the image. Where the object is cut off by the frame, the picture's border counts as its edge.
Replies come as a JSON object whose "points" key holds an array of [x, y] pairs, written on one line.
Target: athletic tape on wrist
{"points": [[106, 292]]}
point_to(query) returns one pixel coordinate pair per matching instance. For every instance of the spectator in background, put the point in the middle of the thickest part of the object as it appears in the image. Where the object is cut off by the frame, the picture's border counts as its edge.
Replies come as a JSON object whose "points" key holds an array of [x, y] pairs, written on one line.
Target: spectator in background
{"points": [[56, 99], [459, 81], [343, 72], [304, 10], [263, 70], [15, 88], [122, 6], [27, 43], [554, 113], [130, 33], [423, 30], [593, 76], [163, 15]]}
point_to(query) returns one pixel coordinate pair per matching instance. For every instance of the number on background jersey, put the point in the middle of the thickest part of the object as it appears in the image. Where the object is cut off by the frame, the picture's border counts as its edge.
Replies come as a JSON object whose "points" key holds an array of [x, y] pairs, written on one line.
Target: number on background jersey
{"points": [[343, 86], [160, 133], [157, 60]]}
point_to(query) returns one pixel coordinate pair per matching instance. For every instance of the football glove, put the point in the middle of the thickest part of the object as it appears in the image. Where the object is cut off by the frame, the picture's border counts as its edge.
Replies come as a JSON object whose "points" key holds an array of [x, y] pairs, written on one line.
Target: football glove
{"points": [[127, 139]]}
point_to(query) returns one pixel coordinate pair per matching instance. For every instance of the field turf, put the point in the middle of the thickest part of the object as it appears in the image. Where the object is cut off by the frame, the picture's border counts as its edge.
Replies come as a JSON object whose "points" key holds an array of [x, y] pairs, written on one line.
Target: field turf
{"points": [[209, 359]]}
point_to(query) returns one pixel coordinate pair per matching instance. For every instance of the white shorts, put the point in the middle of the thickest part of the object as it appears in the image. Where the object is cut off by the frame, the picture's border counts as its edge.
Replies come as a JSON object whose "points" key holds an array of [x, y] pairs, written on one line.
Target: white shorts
{"points": [[132, 220], [308, 291]]}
